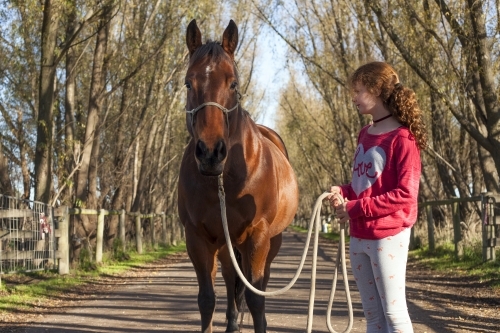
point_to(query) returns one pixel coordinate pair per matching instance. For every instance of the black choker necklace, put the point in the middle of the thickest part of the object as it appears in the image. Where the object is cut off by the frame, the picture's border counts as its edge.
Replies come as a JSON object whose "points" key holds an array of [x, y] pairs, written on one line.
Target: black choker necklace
{"points": [[383, 118]]}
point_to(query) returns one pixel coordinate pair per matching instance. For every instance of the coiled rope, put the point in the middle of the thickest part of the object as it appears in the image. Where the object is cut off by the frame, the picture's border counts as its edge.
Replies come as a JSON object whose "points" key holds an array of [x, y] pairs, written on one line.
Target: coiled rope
{"points": [[340, 261]]}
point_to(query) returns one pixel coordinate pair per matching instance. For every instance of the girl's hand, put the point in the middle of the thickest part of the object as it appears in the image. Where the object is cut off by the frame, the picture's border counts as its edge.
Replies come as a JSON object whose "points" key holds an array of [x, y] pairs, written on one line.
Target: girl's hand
{"points": [[339, 204], [341, 212], [334, 196]]}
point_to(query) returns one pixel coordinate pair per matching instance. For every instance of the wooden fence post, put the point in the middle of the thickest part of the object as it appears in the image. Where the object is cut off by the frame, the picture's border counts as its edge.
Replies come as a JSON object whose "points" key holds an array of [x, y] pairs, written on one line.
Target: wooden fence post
{"points": [[173, 231], [164, 228], [170, 230], [153, 231], [99, 236], [457, 234], [430, 228], [122, 229], [488, 231], [62, 233], [138, 233]]}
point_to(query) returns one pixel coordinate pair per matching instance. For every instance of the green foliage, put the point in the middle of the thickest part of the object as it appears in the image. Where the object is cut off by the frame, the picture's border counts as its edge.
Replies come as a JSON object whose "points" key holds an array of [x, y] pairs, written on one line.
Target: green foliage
{"points": [[117, 253], [85, 262]]}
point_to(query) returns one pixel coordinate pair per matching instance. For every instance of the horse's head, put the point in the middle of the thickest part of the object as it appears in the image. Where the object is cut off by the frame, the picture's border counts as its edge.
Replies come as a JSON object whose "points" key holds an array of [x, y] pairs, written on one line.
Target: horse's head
{"points": [[212, 96]]}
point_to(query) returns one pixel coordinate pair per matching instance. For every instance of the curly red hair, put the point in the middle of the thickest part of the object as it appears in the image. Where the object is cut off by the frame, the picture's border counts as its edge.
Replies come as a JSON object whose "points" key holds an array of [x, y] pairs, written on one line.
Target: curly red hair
{"points": [[381, 79]]}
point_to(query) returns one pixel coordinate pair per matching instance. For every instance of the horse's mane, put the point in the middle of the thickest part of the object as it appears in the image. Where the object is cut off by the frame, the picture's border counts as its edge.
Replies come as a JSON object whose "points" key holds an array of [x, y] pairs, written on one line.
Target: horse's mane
{"points": [[210, 48]]}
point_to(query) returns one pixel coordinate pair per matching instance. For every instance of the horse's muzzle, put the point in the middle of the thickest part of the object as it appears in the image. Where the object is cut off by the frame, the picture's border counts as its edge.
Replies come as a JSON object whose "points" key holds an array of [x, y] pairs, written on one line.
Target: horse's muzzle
{"points": [[211, 161]]}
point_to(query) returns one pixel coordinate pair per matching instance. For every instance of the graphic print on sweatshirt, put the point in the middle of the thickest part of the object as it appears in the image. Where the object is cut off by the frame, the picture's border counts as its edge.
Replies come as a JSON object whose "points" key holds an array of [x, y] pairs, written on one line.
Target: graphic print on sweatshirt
{"points": [[368, 167]]}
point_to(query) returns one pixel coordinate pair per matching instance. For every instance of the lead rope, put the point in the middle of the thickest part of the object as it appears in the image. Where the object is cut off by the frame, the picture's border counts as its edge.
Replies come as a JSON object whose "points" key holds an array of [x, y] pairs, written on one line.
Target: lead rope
{"points": [[316, 217]]}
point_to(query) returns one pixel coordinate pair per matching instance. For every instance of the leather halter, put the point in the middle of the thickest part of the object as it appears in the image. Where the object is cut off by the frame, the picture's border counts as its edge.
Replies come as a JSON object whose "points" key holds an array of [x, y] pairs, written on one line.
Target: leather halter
{"points": [[222, 108]]}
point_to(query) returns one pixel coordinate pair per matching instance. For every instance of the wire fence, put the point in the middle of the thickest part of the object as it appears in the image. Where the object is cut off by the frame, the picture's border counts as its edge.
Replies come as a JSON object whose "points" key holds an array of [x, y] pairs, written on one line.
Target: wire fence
{"points": [[26, 235], [35, 236]]}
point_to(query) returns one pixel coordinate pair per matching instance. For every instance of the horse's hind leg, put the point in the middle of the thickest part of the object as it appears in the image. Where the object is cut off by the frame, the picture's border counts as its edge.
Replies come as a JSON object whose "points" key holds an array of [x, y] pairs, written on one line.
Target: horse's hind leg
{"points": [[203, 259], [234, 289]]}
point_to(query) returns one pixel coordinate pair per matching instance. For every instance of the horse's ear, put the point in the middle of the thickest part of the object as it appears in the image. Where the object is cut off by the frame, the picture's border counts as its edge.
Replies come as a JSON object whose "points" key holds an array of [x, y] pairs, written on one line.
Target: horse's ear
{"points": [[193, 37], [230, 39]]}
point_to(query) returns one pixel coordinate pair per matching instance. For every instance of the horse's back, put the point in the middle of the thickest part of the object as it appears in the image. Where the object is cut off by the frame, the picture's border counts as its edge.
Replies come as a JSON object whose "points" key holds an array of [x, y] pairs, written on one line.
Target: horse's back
{"points": [[274, 137]]}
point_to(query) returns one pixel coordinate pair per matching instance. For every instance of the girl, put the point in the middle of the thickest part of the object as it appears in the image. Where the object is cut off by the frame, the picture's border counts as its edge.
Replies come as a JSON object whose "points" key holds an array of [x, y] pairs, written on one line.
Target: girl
{"points": [[381, 200]]}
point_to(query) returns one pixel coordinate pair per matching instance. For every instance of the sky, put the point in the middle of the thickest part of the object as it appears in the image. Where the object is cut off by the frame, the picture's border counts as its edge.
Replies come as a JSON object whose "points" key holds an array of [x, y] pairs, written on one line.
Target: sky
{"points": [[271, 74]]}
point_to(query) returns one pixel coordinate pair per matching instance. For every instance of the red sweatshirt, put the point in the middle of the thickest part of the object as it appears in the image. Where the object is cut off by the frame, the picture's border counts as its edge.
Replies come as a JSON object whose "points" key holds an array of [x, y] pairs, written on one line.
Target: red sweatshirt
{"points": [[384, 188]]}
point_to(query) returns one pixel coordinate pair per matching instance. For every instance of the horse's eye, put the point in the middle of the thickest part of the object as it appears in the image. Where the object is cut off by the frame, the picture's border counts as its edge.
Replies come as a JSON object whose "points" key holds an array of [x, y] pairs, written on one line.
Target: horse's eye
{"points": [[233, 85], [187, 85]]}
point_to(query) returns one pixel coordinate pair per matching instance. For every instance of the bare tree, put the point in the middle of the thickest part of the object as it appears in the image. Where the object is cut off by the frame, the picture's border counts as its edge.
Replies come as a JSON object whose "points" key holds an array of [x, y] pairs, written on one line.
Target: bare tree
{"points": [[470, 74]]}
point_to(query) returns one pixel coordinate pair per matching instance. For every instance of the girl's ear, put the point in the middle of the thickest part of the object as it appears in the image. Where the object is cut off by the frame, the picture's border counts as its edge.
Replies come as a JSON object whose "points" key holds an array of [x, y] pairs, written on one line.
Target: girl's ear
{"points": [[395, 79]]}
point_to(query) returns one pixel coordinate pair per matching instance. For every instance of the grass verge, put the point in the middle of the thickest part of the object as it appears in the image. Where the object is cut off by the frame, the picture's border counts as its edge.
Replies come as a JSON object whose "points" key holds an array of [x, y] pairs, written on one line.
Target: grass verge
{"points": [[470, 264], [25, 291]]}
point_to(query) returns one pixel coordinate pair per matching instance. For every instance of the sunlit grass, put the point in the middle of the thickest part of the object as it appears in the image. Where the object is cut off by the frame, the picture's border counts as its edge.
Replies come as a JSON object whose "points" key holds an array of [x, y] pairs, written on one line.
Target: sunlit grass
{"points": [[33, 289], [25, 291], [134, 259]]}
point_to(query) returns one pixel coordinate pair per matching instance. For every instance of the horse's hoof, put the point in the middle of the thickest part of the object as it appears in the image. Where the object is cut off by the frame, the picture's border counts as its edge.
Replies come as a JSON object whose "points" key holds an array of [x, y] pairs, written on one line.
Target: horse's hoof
{"points": [[232, 330]]}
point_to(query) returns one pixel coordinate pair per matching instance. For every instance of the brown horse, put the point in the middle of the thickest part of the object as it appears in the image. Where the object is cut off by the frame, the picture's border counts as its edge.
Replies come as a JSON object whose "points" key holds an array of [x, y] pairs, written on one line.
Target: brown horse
{"points": [[260, 185]]}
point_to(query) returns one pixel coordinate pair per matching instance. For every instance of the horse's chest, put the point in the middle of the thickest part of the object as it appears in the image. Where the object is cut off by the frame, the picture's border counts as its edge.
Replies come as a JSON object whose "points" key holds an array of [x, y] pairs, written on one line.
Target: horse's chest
{"points": [[240, 214]]}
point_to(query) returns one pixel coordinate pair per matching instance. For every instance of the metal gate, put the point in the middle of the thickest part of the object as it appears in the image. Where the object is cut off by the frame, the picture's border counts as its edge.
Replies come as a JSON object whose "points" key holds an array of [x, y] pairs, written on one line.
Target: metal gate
{"points": [[27, 239]]}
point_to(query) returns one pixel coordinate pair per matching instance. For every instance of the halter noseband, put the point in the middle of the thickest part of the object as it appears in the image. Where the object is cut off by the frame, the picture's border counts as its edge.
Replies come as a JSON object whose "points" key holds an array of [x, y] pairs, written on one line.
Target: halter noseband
{"points": [[222, 108], [226, 111]]}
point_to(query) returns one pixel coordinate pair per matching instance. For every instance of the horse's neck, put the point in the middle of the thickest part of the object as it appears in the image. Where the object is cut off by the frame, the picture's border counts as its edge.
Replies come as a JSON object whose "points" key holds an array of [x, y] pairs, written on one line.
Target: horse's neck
{"points": [[247, 140], [248, 132]]}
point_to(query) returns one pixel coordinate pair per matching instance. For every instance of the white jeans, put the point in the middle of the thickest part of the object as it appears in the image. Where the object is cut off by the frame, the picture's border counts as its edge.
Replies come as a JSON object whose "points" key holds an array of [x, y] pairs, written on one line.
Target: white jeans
{"points": [[379, 268]]}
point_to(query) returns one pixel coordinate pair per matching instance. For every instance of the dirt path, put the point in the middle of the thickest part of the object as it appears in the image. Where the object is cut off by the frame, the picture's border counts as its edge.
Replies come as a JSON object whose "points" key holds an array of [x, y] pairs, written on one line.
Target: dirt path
{"points": [[162, 297]]}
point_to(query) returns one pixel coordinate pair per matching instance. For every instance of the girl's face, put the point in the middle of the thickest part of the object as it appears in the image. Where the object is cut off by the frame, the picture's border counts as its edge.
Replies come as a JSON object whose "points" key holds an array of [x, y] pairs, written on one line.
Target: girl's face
{"points": [[365, 102]]}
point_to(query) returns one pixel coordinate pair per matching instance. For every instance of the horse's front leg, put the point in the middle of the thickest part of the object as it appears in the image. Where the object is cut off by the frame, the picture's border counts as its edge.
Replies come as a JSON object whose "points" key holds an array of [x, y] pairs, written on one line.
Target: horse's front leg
{"points": [[257, 249], [203, 258], [234, 290], [273, 251]]}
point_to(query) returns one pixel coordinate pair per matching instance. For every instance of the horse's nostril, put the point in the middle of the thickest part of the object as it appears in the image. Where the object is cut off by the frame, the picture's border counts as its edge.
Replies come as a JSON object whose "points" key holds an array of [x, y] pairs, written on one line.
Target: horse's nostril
{"points": [[210, 156], [220, 151], [201, 149]]}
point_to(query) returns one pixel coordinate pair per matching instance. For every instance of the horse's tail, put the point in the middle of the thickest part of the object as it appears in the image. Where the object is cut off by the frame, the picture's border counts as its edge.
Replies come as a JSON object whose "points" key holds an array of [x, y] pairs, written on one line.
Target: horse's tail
{"points": [[239, 290]]}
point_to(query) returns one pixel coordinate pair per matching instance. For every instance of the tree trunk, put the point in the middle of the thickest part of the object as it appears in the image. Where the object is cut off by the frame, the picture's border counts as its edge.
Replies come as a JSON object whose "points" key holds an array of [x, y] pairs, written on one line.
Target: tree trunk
{"points": [[490, 173], [120, 164], [43, 156], [5, 182], [70, 107], [82, 183], [85, 184]]}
